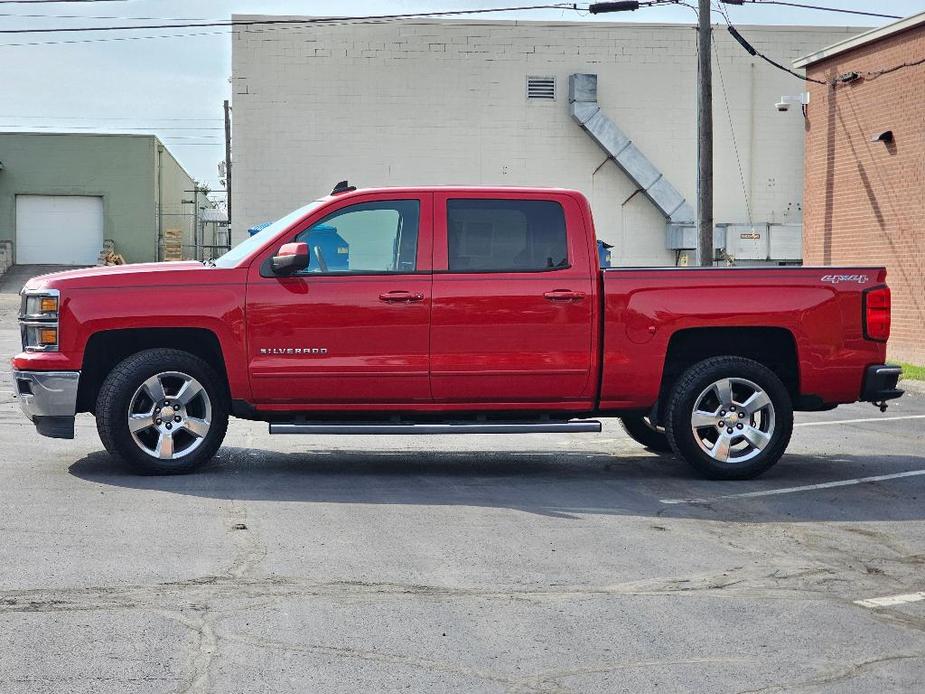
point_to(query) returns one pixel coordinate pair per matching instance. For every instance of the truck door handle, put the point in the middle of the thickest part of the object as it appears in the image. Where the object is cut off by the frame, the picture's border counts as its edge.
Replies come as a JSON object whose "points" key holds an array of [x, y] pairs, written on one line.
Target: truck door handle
{"points": [[399, 296], [563, 295]]}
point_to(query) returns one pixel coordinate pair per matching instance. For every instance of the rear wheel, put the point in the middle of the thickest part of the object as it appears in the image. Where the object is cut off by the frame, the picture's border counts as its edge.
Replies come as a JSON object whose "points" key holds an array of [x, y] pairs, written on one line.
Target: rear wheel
{"points": [[162, 411], [729, 417], [642, 430]]}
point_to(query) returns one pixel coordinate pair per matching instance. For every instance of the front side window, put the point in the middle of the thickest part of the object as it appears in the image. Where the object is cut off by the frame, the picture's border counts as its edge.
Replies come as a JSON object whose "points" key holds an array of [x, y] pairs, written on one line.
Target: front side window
{"points": [[505, 235], [369, 237]]}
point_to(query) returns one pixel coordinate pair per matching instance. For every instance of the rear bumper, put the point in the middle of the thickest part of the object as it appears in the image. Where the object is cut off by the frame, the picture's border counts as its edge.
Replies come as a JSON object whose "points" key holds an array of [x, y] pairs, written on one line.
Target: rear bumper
{"points": [[880, 383], [48, 399]]}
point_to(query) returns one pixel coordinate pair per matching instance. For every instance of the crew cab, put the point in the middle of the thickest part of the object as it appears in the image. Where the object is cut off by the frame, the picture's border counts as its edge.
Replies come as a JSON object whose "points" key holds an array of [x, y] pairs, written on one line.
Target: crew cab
{"points": [[447, 310]]}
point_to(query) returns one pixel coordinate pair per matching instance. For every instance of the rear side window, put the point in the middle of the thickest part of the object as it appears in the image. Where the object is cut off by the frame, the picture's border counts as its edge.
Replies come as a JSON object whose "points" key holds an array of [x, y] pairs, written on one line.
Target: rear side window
{"points": [[505, 235]]}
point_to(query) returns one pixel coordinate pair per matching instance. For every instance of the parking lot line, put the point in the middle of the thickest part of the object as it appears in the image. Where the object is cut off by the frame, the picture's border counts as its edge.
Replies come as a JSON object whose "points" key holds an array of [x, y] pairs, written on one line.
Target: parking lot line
{"points": [[794, 490], [891, 600], [858, 421]]}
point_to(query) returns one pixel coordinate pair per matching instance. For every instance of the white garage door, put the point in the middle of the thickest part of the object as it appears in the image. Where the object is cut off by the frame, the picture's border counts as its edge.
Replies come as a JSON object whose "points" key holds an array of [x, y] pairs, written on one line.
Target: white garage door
{"points": [[58, 229]]}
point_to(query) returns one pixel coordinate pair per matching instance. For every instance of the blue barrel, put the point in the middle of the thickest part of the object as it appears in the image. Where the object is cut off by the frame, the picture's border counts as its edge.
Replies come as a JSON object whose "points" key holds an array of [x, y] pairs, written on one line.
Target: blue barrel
{"points": [[257, 227], [324, 240], [603, 253]]}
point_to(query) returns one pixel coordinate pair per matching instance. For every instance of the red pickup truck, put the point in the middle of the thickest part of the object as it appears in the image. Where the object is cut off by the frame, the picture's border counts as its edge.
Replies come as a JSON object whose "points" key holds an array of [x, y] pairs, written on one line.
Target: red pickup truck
{"points": [[442, 311]]}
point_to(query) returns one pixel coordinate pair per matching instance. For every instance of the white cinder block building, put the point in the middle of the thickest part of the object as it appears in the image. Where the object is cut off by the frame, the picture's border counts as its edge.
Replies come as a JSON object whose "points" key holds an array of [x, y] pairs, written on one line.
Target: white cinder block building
{"points": [[487, 102]]}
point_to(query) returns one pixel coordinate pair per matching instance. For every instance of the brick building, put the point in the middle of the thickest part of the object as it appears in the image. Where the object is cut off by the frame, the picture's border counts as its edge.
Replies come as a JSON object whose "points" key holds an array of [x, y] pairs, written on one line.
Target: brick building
{"points": [[487, 102], [865, 166]]}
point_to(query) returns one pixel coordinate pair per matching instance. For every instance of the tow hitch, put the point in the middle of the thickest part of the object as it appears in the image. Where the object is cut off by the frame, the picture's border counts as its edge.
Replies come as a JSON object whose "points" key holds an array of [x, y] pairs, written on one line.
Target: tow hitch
{"points": [[880, 382]]}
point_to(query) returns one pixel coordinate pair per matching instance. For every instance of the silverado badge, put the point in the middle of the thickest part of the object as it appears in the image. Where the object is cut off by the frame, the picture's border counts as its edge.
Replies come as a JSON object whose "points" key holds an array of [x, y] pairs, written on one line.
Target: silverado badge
{"points": [[295, 351]]}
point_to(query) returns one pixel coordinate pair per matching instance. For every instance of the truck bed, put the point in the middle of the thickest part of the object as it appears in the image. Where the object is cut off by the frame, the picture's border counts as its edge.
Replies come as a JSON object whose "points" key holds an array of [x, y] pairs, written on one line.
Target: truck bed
{"points": [[810, 315]]}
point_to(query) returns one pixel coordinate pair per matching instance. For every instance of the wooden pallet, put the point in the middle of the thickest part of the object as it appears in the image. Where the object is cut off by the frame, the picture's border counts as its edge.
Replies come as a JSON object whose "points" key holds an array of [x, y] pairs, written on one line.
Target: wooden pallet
{"points": [[173, 244]]}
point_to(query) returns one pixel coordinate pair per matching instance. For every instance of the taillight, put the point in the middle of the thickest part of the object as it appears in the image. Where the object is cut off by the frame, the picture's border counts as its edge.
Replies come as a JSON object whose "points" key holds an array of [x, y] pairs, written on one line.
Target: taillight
{"points": [[877, 314]]}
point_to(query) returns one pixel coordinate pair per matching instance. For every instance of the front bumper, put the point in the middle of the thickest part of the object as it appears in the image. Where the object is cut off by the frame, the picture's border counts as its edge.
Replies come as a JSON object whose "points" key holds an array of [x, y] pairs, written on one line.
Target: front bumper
{"points": [[49, 399], [880, 383]]}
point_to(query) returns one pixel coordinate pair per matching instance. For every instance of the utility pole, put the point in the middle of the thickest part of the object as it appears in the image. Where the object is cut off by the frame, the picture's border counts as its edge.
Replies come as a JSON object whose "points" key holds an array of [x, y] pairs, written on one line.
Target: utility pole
{"points": [[228, 163], [704, 134]]}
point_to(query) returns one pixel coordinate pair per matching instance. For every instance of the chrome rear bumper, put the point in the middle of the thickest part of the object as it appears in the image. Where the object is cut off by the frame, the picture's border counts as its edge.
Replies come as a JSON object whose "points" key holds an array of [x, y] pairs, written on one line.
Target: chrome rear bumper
{"points": [[49, 399]]}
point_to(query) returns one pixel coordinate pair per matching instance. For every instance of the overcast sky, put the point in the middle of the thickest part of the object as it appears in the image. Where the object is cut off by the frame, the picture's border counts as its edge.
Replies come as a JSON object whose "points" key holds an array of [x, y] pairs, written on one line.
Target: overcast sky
{"points": [[174, 87]]}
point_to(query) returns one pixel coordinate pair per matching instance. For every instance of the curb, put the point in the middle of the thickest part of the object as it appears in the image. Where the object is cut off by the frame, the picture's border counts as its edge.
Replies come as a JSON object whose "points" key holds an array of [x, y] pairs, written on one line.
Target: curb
{"points": [[912, 386]]}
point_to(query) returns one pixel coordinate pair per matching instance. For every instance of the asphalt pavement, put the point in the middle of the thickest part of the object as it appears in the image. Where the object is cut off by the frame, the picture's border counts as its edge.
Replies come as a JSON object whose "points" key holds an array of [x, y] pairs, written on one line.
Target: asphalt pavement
{"points": [[535, 563]]}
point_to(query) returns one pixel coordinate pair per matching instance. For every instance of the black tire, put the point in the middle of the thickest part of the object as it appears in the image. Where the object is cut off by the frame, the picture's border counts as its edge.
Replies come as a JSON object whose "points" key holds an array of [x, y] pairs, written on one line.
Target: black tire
{"points": [[118, 394], [642, 431], [696, 381]]}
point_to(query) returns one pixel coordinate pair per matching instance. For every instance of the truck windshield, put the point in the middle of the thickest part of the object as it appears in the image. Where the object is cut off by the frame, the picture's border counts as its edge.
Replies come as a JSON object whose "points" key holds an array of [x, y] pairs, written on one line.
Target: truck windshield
{"points": [[253, 243]]}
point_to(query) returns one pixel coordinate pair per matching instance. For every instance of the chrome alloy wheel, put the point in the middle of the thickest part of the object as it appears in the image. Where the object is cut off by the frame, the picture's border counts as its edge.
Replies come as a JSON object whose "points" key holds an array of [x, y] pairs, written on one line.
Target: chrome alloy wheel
{"points": [[169, 415], [733, 420]]}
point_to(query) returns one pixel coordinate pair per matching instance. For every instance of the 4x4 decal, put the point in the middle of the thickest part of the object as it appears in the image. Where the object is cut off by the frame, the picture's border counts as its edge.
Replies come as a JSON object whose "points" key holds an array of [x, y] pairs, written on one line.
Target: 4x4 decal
{"points": [[835, 279]]}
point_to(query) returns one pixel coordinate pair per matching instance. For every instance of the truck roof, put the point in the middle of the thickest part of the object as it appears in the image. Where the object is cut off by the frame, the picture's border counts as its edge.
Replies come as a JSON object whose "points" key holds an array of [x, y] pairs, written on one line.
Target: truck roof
{"points": [[461, 189]]}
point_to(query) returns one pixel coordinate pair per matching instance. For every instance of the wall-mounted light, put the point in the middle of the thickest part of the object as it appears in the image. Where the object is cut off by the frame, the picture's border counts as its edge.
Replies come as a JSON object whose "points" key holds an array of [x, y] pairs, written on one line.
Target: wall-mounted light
{"points": [[885, 136]]}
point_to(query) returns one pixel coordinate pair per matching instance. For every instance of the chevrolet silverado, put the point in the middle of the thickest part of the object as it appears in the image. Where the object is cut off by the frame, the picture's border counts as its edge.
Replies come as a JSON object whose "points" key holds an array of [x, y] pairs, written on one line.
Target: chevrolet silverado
{"points": [[447, 310]]}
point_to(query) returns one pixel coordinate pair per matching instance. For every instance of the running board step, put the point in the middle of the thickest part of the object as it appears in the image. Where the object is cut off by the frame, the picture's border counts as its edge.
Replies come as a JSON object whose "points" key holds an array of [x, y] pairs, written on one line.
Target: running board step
{"points": [[570, 427]]}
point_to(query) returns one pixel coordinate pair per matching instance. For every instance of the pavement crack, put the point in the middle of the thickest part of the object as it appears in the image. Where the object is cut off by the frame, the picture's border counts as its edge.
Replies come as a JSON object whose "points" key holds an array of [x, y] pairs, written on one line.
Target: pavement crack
{"points": [[835, 676], [202, 594], [250, 551], [541, 681], [205, 646], [347, 652]]}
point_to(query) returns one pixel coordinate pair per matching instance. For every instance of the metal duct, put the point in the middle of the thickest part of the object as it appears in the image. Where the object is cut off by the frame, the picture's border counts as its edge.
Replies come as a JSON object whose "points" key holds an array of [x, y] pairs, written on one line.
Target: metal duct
{"points": [[585, 110]]}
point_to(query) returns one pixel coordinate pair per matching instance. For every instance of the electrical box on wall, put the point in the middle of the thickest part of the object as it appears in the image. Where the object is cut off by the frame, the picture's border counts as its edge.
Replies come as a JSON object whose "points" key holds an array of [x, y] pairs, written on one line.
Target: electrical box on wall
{"points": [[763, 242], [681, 237], [747, 241], [786, 241]]}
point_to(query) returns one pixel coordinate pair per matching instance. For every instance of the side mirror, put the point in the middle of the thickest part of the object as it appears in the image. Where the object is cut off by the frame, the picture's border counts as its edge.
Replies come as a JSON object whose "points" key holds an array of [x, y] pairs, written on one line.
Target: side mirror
{"points": [[290, 258]]}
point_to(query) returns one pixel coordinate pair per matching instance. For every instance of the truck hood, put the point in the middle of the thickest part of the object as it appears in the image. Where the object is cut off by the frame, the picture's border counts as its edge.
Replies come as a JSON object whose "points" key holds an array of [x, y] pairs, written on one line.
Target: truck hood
{"points": [[132, 275]]}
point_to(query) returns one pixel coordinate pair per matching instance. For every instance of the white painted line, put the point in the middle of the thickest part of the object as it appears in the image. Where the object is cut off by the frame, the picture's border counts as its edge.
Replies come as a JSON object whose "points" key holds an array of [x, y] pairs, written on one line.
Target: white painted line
{"points": [[859, 421], [805, 488], [891, 600]]}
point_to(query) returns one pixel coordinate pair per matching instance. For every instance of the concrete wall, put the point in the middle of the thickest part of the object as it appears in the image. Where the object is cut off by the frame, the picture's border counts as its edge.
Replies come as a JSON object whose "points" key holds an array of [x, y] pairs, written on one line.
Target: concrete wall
{"points": [[444, 102], [122, 169], [864, 199], [176, 186]]}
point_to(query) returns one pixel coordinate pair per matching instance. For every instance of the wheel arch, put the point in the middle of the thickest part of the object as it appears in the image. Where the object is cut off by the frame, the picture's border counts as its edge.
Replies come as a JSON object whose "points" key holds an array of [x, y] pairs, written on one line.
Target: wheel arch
{"points": [[107, 348], [774, 347]]}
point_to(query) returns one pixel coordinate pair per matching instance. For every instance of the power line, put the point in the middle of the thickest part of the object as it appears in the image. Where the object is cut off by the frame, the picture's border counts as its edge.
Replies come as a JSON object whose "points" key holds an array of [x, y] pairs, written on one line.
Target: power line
{"points": [[870, 74], [53, 2], [751, 50], [874, 74], [104, 16], [117, 127], [225, 32], [97, 118], [303, 21], [193, 34], [816, 7]]}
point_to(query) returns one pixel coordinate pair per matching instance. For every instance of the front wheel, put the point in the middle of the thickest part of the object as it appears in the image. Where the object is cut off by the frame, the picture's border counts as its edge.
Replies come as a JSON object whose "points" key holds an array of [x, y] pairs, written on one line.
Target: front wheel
{"points": [[162, 411], [729, 417]]}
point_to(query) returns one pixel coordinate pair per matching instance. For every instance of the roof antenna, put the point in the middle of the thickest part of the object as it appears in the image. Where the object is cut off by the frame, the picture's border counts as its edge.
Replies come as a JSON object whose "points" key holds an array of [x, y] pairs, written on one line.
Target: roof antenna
{"points": [[342, 187]]}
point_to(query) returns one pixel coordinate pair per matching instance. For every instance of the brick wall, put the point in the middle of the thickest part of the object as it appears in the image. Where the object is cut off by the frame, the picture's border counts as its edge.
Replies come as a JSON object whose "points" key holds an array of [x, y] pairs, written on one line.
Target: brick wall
{"points": [[865, 201], [444, 102]]}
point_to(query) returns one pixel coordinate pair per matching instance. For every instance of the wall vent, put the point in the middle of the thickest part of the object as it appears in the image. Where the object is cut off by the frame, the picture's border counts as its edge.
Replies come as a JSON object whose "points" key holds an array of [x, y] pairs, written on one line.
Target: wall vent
{"points": [[541, 88]]}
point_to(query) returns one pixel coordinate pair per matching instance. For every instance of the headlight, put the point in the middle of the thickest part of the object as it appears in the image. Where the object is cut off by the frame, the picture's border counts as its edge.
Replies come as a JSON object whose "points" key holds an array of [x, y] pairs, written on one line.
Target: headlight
{"points": [[38, 306], [38, 320]]}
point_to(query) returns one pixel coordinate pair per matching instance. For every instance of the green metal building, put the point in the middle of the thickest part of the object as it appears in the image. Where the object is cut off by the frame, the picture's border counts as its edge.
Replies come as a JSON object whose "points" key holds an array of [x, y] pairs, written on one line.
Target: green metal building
{"points": [[62, 195]]}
